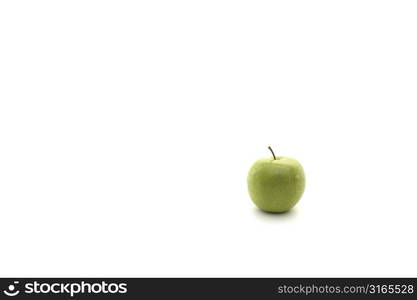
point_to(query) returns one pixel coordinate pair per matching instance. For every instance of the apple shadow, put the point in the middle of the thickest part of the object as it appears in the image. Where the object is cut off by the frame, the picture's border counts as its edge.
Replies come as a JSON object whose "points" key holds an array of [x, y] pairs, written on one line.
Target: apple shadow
{"points": [[269, 216]]}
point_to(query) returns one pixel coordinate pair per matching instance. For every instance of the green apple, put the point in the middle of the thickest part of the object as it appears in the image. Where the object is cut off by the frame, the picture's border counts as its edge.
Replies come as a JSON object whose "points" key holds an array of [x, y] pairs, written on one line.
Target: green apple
{"points": [[276, 184]]}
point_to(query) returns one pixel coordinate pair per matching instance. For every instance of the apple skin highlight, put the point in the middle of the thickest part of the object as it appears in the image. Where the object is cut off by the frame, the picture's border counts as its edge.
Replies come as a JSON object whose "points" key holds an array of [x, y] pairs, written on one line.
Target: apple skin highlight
{"points": [[276, 184]]}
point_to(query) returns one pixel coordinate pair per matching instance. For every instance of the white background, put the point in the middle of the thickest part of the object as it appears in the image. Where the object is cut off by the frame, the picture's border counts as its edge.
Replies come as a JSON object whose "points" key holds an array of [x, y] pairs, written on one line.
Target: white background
{"points": [[127, 129]]}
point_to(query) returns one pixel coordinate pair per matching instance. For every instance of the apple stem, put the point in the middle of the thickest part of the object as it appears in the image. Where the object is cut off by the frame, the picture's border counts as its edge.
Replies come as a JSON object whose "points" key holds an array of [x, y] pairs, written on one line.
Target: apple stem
{"points": [[272, 151]]}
